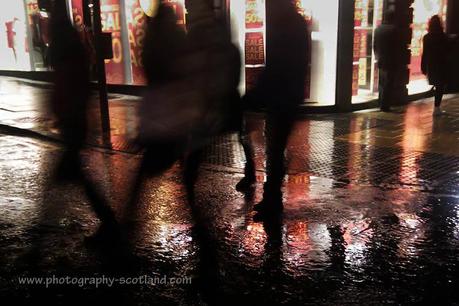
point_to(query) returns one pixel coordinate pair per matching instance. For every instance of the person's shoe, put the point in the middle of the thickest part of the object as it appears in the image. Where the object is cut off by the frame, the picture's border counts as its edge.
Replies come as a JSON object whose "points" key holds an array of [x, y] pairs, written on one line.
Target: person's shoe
{"points": [[270, 202], [245, 183], [107, 234], [385, 109], [438, 112], [268, 211]]}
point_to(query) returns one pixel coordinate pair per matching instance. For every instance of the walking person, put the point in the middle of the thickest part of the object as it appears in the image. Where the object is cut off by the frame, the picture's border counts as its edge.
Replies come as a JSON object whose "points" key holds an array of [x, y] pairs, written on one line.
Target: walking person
{"points": [[385, 48], [70, 103], [281, 88], [192, 84], [434, 59]]}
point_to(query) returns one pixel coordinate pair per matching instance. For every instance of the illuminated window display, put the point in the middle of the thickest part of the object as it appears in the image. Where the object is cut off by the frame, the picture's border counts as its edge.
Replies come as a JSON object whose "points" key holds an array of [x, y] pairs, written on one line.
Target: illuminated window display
{"points": [[111, 23], [422, 11], [136, 22], [18, 49], [125, 20], [26, 41], [367, 17], [248, 22]]}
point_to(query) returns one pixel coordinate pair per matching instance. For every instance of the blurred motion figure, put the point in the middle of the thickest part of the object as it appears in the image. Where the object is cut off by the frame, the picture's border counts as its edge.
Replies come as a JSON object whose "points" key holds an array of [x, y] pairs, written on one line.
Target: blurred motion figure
{"points": [[71, 93], [281, 88], [69, 103], [192, 83]]}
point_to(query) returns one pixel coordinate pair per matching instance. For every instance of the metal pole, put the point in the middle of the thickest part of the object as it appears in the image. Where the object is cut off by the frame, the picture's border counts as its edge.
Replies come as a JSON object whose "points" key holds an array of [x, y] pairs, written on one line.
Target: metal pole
{"points": [[102, 81]]}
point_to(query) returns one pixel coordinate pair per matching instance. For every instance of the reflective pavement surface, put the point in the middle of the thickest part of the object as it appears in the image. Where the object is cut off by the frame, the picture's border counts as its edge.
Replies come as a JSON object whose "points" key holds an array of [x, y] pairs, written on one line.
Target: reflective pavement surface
{"points": [[371, 215]]}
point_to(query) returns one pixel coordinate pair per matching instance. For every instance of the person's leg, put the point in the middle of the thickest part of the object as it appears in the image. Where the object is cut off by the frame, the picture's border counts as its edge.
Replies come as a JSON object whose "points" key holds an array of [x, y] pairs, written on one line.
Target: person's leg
{"points": [[277, 131], [387, 89], [439, 91], [73, 130], [249, 168], [109, 229], [382, 87]]}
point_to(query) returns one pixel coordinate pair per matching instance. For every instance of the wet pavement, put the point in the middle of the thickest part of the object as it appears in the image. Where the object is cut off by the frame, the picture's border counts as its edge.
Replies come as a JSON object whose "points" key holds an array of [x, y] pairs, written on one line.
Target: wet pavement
{"points": [[371, 213]]}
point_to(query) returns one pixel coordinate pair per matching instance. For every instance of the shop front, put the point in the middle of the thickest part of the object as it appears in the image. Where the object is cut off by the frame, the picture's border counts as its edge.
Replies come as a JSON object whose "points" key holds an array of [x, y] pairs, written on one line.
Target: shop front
{"points": [[24, 46], [343, 71], [342, 74], [248, 23]]}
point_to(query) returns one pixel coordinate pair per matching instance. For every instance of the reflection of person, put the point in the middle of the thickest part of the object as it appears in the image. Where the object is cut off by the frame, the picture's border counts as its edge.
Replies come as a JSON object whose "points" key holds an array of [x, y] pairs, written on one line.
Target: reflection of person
{"points": [[40, 35], [385, 47], [281, 86], [434, 57]]}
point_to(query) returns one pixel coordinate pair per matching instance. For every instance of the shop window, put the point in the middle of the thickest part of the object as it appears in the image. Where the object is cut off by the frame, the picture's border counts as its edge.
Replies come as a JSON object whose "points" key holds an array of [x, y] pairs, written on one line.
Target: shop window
{"points": [[15, 46], [422, 11], [248, 24], [367, 17]]}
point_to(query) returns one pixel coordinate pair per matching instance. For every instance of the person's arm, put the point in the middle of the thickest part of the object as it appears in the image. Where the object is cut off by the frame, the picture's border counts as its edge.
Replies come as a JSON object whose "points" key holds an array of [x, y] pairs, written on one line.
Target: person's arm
{"points": [[376, 44], [424, 58]]}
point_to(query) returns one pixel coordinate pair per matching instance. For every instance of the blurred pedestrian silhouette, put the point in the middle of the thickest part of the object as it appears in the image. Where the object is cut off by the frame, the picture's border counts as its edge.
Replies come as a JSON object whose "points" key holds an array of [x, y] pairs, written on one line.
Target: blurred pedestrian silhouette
{"points": [[281, 88], [69, 103], [387, 53], [191, 82], [434, 59], [161, 132]]}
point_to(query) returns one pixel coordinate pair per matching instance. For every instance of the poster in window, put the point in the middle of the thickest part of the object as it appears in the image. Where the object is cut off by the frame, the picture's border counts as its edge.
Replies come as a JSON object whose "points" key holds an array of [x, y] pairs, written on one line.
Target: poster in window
{"points": [[111, 23], [254, 48], [136, 19], [77, 13], [254, 14]]}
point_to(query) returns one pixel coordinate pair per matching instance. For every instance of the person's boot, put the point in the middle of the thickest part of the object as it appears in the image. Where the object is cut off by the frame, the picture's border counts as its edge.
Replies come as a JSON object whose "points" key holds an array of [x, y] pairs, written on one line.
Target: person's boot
{"points": [[69, 167], [385, 109], [437, 111], [246, 183], [271, 205], [108, 233]]}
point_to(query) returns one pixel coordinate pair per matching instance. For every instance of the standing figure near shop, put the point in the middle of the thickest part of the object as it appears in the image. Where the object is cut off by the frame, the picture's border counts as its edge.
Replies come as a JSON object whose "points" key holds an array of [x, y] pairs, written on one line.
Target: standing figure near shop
{"points": [[69, 104], [281, 89], [386, 51], [434, 59]]}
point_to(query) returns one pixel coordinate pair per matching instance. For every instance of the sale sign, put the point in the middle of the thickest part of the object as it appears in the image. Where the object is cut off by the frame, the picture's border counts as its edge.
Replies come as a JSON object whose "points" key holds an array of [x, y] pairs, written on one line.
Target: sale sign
{"points": [[254, 48], [77, 13], [110, 18], [253, 14], [136, 21]]}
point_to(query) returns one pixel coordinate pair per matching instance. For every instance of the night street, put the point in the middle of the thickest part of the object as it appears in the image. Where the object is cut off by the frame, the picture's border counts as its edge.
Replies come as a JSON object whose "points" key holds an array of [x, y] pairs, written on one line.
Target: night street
{"points": [[371, 213]]}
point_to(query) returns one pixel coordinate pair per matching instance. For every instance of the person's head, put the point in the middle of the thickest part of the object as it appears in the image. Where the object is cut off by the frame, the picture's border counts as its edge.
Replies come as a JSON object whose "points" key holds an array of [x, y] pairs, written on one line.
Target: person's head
{"points": [[435, 24]]}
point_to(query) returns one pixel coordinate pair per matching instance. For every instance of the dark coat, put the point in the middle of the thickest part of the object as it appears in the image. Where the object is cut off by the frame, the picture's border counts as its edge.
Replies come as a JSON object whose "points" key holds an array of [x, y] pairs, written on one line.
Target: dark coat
{"points": [[386, 46], [434, 57], [281, 85]]}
